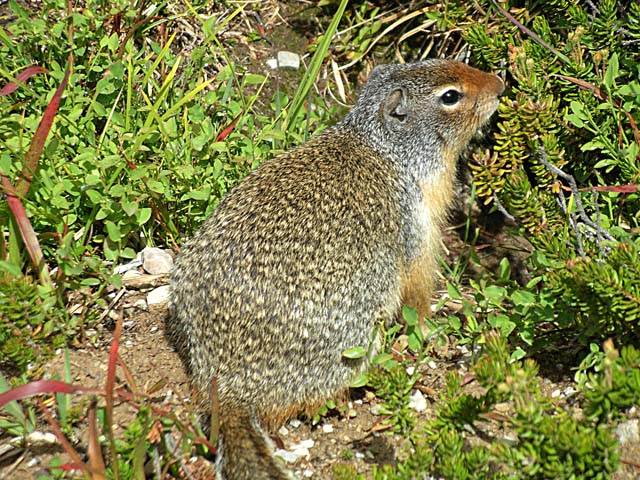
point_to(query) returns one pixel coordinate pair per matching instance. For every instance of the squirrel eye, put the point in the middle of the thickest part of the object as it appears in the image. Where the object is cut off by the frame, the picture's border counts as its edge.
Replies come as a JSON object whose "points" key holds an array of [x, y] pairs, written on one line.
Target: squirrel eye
{"points": [[451, 97]]}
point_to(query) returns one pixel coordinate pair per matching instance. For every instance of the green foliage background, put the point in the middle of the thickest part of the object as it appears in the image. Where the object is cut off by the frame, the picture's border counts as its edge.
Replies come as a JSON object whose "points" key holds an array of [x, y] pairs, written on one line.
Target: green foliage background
{"points": [[148, 138]]}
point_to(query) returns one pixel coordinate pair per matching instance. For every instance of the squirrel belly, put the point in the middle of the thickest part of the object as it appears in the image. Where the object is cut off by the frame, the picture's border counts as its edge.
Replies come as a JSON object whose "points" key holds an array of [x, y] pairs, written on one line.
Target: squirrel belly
{"points": [[313, 250]]}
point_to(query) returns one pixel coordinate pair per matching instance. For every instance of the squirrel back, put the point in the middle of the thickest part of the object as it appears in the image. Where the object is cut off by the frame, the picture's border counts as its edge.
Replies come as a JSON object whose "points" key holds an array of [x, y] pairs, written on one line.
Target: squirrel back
{"points": [[306, 256]]}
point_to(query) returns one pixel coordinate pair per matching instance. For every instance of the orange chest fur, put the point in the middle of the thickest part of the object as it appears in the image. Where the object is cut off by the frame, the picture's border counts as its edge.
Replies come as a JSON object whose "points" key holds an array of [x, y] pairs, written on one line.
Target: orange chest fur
{"points": [[418, 276]]}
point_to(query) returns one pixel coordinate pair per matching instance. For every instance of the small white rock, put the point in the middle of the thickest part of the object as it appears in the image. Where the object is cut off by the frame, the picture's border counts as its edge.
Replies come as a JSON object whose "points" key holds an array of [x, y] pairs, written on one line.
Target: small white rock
{"points": [[306, 443], [295, 423], [283, 431], [127, 267], [555, 394], [287, 456], [130, 275], [35, 439], [569, 391], [432, 365], [357, 402], [153, 329], [628, 431], [307, 473], [296, 452], [327, 428], [285, 60], [156, 261], [375, 409], [158, 295], [417, 401], [359, 455], [141, 304], [411, 370]]}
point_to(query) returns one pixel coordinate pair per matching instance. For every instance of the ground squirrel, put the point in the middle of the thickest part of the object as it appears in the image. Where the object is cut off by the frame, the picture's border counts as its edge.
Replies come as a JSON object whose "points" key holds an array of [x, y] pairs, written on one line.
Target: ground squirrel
{"points": [[311, 251]]}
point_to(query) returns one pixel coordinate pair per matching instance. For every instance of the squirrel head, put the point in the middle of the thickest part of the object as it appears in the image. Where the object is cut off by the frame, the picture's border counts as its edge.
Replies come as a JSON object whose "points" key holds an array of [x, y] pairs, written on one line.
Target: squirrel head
{"points": [[425, 111]]}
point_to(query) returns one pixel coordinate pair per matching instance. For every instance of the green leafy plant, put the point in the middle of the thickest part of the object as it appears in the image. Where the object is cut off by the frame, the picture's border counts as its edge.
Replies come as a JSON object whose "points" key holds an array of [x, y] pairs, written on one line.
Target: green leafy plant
{"points": [[550, 442], [31, 325], [614, 384], [15, 419]]}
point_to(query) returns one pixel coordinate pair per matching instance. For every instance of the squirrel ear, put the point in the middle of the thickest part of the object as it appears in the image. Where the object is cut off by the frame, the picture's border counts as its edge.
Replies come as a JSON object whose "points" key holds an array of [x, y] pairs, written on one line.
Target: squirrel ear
{"points": [[396, 106]]}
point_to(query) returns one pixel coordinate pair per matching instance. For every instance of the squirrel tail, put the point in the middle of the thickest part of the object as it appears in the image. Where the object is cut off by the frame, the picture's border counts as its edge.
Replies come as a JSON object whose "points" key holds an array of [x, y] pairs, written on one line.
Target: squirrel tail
{"points": [[245, 451]]}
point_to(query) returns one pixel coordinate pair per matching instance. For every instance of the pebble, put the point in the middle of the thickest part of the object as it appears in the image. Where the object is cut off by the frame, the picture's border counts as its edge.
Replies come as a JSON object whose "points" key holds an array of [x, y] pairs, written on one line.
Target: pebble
{"points": [[307, 473], [327, 428], [158, 295], [127, 267], [141, 304], [555, 394], [156, 260], [411, 370], [296, 452], [375, 409], [417, 401], [359, 455], [287, 456], [35, 439], [295, 423], [131, 274], [307, 443], [285, 60], [283, 431], [432, 365], [629, 431]]}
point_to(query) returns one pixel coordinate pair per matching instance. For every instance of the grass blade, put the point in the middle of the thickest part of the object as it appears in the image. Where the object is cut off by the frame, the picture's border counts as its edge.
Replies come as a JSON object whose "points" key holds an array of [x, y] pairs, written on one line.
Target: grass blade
{"points": [[109, 391], [40, 387], [20, 79], [96, 461], [314, 67], [42, 132], [27, 233]]}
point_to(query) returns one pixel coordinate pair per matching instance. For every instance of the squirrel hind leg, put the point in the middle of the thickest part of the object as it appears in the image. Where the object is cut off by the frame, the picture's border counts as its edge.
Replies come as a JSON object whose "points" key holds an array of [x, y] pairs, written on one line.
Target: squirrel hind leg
{"points": [[246, 451]]}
